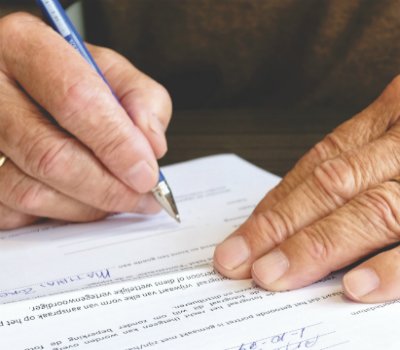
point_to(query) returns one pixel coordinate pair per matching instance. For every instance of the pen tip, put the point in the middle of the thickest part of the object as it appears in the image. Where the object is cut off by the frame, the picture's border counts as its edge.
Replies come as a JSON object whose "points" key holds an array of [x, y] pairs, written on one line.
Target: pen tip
{"points": [[163, 195]]}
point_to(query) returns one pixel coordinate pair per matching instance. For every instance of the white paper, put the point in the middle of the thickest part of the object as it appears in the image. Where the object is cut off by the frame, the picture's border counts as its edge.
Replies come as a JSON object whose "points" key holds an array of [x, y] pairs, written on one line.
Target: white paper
{"points": [[159, 303], [214, 195], [198, 309]]}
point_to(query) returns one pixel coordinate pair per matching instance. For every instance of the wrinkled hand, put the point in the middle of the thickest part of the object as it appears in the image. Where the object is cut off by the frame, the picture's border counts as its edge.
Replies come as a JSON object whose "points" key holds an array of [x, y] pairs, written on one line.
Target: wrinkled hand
{"points": [[336, 206], [73, 151]]}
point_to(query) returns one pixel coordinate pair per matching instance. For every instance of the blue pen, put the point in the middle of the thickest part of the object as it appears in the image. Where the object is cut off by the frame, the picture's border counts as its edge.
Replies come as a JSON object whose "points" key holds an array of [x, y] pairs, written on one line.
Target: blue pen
{"points": [[60, 21]]}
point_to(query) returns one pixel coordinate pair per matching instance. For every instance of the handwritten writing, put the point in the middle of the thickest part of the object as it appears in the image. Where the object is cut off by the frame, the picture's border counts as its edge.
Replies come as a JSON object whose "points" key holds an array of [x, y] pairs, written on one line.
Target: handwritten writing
{"points": [[96, 276], [302, 338]]}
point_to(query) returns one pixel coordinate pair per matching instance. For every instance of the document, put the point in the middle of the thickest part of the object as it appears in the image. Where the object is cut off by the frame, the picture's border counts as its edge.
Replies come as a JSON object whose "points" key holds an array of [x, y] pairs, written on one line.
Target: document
{"points": [[199, 309], [134, 282], [214, 195]]}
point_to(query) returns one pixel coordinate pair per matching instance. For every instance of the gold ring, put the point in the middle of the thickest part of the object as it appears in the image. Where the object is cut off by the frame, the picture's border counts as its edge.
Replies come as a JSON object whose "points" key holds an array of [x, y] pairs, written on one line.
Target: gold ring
{"points": [[3, 159]]}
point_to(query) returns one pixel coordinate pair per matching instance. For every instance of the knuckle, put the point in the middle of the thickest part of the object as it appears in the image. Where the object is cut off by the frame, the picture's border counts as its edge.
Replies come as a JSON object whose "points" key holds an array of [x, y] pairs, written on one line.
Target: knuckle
{"points": [[13, 23], [116, 142], [111, 198], [337, 179], [383, 201], [82, 97], [317, 245], [273, 196], [269, 227], [324, 149], [13, 30], [29, 200], [92, 101], [48, 159], [24, 195], [116, 197]]}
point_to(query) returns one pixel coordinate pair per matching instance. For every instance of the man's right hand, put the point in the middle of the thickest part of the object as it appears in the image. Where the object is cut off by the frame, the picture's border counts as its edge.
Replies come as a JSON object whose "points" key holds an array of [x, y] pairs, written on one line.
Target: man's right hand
{"points": [[74, 153]]}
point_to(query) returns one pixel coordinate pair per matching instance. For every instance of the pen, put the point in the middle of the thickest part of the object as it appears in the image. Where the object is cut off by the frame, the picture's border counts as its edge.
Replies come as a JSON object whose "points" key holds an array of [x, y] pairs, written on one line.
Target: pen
{"points": [[60, 21]]}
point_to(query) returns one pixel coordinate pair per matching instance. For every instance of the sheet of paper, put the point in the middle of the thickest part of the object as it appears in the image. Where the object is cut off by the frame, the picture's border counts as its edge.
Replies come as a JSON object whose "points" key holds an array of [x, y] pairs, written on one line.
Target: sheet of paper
{"points": [[214, 195], [198, 309]]}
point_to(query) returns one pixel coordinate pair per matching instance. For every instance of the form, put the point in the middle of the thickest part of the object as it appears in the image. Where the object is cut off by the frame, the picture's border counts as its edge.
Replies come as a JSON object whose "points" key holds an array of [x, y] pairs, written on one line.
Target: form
{"points": [[135, 282], [214, 194], [199, 309]]}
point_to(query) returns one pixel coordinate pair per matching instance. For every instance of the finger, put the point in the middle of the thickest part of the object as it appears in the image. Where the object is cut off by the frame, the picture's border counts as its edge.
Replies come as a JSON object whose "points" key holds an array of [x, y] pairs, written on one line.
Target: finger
{"points": [[146, 102], [364, 225], [26, 195], [369, 124], [60, 80], [31, 198], [11, 219], [329, 187], [41, 150], [375, 281]]}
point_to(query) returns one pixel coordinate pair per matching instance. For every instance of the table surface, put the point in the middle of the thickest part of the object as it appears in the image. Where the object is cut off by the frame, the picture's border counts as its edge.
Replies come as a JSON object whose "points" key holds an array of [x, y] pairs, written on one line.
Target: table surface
{"points": [[273, 140]]}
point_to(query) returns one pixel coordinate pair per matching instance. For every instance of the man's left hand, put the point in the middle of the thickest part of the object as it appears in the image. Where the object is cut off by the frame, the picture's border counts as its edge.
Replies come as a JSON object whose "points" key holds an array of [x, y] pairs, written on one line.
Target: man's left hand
{"points": [[339, 204]]}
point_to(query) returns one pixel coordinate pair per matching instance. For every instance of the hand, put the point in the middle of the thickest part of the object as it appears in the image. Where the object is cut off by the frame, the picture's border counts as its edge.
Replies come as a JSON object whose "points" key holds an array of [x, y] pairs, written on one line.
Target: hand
{"points": [[335, 207], [73, 152]]}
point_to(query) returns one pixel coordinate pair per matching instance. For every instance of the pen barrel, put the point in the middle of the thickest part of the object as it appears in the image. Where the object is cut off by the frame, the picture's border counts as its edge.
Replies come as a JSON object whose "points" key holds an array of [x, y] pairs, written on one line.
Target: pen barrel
{"points": [[54, 13], [59, 20]]}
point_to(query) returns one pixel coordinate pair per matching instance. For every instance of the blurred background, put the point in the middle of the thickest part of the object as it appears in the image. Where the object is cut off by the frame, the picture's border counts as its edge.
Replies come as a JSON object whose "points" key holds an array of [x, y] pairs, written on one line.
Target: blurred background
{"points": [[262, 78]]}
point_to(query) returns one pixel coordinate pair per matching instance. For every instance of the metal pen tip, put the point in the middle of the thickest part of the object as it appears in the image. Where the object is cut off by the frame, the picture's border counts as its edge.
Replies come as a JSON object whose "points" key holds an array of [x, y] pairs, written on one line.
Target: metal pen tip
{"points": [[163, 194]]}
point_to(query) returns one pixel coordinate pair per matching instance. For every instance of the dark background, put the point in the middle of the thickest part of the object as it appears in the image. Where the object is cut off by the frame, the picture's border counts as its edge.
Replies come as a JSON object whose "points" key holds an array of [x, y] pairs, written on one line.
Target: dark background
{"points": [[271, 139], [265, 79]]}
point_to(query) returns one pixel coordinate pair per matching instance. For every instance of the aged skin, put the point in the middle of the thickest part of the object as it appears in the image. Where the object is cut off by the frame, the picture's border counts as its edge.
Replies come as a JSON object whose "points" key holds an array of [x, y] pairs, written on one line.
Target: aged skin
{"points": [[88, 159], [336, 206]]}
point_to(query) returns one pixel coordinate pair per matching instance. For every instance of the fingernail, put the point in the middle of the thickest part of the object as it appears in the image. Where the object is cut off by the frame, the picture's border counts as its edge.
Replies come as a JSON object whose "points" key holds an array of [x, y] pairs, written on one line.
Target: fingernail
{"points": [[141, 177], [271, 267], [361, 282], [232, 253]]}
